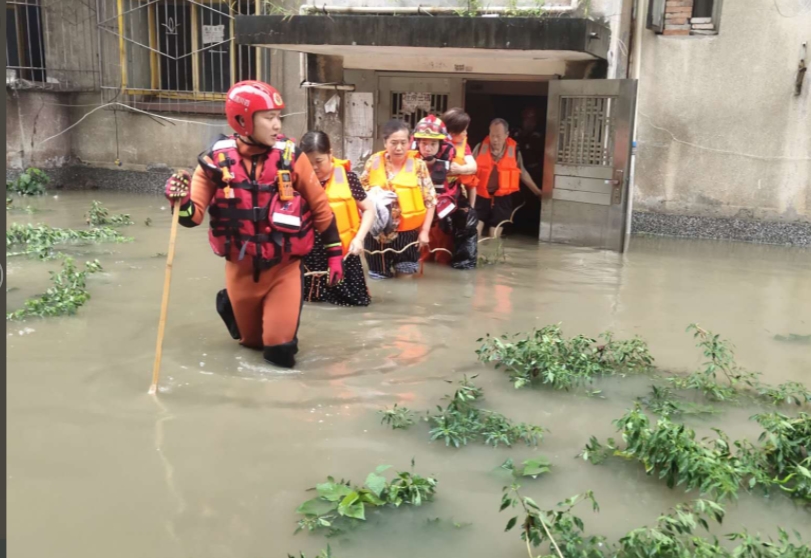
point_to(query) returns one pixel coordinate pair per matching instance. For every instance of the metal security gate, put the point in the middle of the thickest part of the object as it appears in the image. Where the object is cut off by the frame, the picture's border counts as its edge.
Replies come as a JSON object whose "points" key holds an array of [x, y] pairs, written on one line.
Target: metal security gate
{"points": [[412, 98], [588, 147]]}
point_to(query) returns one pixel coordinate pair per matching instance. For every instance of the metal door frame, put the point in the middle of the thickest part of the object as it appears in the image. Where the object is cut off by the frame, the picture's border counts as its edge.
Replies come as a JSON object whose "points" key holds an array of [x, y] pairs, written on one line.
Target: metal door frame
{"points": [[623, 137]]}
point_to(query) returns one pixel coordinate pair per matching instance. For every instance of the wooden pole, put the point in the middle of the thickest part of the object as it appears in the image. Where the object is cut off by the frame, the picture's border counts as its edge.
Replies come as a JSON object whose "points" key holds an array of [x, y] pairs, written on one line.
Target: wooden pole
{"points": [[156, 370]]}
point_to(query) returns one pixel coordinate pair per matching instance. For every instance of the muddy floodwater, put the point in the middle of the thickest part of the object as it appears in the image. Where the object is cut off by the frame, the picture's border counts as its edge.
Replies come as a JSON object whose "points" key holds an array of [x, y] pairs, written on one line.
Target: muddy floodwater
{"points": [[216, 466]]}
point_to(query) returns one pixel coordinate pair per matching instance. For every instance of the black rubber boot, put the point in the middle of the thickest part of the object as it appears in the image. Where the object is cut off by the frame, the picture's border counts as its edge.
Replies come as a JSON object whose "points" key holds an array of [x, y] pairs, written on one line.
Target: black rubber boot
{"points": [[283, 355], [226, 312]]}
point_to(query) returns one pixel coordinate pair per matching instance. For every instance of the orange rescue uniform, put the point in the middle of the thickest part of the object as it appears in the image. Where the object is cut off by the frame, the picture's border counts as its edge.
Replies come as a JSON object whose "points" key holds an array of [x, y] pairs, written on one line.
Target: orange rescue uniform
{"points": [[267, 311]]}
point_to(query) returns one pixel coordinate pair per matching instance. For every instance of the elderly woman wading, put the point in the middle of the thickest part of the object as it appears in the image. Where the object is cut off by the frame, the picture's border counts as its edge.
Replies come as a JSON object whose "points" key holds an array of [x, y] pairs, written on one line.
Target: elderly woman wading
{"points": [[398, 170]]}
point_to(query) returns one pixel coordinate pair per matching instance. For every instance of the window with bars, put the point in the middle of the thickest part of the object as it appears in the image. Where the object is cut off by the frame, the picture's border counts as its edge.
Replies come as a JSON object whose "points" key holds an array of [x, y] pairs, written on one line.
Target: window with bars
{"points": [[402, 109], [25, 47], [184, 49], [586, 132]]}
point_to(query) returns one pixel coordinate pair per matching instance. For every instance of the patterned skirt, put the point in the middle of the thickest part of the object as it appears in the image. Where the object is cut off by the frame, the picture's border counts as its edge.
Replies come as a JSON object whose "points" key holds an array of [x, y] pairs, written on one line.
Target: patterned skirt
{"points": [[351, 292], [382, 266]]}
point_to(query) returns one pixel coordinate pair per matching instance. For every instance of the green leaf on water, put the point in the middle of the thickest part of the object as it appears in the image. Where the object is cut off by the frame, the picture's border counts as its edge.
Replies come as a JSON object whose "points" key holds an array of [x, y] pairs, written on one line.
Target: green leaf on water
{"points": [[376, 483], [351, 506], [333, 491], [535, 467], [316, 506]]}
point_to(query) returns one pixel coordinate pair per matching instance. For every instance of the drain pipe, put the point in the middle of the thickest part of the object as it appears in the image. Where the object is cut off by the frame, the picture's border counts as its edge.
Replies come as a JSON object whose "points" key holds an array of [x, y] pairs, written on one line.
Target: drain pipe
{"points": [[636, 70], [311, 9]]}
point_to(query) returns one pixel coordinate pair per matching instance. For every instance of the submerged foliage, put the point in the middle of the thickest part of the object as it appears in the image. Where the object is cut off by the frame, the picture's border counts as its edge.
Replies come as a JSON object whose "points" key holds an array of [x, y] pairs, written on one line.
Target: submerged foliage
{"points": [[461, 421], [397, 417], [15, 208], [339, 501], [31, 182], [721, 378], [673, 536], [529, 468], [65, 297], [100, 215], [323, 554], [41, 240], [663, 401], [545, 356], [717, 466]]}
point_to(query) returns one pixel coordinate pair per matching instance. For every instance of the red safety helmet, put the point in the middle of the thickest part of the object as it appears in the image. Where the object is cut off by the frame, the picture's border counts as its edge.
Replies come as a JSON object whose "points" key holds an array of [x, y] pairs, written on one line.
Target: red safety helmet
{"points": [[431, 127], [247, 97]]}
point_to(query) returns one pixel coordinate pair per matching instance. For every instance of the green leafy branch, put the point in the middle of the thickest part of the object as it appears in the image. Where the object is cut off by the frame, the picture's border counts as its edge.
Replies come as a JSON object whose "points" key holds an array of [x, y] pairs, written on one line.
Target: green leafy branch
{"points": [[546, 357], [717, 467], [41, 240], [65, 297], [461, 421], [99, 216], [673, 536], [340, 501], [31, 182], [721, 378]]}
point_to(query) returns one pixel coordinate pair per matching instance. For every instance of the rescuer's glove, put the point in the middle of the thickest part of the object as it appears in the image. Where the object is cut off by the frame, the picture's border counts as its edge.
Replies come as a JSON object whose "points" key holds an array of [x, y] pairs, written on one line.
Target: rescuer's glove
{"points": [[335, 262], [178, 188]]}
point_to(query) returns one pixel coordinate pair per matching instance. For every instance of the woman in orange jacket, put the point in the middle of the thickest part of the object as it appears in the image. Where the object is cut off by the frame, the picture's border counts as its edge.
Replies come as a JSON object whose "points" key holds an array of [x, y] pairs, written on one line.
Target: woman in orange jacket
{"points": [[264, 200], [346, 196]]}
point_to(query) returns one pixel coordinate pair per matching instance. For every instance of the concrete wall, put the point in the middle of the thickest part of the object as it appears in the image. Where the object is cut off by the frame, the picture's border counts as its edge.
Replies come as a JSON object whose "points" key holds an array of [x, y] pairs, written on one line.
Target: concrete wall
{"points": [[721, 132], [32, 117]]}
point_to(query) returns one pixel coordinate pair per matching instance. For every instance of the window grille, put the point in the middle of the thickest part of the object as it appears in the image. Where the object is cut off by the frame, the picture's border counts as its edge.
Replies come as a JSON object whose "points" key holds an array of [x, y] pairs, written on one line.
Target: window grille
{"points": [[179, 55], [585, 135], [52, 44], [439, 104]]}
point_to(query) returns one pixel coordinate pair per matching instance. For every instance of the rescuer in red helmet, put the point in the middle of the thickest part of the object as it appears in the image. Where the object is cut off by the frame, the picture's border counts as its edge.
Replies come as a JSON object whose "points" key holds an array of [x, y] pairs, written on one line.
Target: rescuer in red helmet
{"points": [[264, 200]]}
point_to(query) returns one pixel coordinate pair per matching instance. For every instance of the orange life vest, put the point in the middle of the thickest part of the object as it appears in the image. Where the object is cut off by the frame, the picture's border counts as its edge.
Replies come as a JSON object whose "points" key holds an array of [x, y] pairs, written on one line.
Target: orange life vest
{"points": [[407, 187], [466, 179], [509, 173], [342, 203]]}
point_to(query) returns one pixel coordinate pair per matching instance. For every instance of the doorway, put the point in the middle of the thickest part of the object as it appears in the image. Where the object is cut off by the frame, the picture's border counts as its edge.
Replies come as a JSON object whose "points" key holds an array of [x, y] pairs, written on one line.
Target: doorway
{"points": [[524, 106]]}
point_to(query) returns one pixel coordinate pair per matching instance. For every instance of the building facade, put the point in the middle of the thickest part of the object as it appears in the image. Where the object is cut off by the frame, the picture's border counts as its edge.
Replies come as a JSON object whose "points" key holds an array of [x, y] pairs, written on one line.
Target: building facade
{"points": [[687, 117]]}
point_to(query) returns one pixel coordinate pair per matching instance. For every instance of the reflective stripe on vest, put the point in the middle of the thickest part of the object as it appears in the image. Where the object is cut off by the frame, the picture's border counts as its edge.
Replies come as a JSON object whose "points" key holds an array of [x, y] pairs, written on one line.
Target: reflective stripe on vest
{"points": [[343, 204]]}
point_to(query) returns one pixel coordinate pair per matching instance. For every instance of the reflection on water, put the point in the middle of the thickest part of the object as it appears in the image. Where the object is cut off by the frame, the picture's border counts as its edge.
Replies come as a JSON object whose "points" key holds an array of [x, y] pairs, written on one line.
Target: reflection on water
{"points": [[218, 466]]}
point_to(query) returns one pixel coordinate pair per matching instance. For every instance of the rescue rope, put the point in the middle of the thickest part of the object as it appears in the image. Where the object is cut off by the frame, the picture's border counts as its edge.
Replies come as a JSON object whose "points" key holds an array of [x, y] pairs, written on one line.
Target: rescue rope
{"points": [[510, 220], [416, 242], [375, 252]]}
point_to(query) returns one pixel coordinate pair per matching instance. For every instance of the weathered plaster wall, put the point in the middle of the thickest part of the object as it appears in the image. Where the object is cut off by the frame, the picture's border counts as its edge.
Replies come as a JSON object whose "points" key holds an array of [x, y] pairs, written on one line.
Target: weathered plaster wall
{"points": [[721, 132], [32, 117], [141, 142]]}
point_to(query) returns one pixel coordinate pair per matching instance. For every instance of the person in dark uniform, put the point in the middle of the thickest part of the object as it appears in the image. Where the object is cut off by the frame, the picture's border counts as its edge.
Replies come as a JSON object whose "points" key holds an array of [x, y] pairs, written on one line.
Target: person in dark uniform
{"points": [[531, 146]]}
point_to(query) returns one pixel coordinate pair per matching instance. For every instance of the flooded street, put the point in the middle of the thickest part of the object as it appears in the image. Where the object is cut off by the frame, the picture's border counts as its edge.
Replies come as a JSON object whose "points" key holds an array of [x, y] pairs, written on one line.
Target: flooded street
{"points": [[216, 466]]}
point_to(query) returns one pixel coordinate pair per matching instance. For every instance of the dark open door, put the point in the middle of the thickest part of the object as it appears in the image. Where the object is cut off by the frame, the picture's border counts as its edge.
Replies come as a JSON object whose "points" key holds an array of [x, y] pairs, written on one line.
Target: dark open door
{"points": [[588, 150]]}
